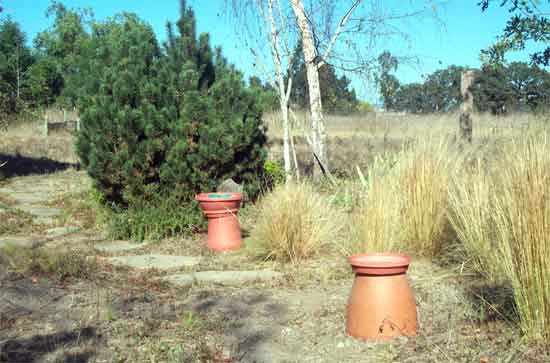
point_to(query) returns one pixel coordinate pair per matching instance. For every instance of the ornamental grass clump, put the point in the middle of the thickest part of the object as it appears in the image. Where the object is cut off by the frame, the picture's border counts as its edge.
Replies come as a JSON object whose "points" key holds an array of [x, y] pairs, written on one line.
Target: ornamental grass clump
{"points": [[405, 201], [376, 221], [500, 211], [471, 214], [423, 182], [295, 222], [522, 225]]}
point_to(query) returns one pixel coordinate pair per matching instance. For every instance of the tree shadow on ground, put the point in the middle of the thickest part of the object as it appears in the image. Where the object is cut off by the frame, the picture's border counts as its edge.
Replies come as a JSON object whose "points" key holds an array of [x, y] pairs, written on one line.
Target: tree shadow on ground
{"points": [[34, 348], [240, 318], [493, 302], [18, 165]]}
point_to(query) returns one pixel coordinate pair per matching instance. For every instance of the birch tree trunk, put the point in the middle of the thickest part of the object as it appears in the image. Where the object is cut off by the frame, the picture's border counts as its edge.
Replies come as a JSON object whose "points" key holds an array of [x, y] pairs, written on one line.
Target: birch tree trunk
{"points": [[319, 135], [284, 94]]}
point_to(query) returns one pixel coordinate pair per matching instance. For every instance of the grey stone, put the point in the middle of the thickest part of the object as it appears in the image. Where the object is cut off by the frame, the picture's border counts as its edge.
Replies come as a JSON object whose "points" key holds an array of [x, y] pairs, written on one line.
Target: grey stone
{"points": [[226, 278], [152, 261], [118, 246], [61, 231], [39, 211], [30, 198], [229, 185], [46, 221], [22, 242]]}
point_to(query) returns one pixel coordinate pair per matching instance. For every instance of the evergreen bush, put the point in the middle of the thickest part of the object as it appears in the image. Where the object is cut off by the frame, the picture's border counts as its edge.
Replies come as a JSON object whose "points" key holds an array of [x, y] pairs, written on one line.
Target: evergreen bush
{"points": [[165, 124]]}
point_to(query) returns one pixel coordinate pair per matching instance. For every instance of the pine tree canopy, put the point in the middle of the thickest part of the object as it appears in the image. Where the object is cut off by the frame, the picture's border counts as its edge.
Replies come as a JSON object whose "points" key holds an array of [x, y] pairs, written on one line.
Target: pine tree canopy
{"points": [[166, 121]]}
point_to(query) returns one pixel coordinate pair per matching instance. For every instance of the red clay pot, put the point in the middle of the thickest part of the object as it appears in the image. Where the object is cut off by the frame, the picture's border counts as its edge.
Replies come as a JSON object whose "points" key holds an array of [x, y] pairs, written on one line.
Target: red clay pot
{"points": [[224, 232], [381, 304]]}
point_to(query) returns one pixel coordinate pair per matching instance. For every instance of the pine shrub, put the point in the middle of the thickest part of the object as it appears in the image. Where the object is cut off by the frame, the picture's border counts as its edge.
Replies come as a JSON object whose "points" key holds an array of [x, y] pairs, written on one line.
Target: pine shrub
{"points": [[166, 123]]}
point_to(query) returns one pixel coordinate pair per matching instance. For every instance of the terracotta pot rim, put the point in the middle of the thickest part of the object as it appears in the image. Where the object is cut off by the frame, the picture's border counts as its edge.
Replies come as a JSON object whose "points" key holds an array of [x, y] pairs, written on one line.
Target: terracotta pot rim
{"points": [[383, 260], [214, 197]]}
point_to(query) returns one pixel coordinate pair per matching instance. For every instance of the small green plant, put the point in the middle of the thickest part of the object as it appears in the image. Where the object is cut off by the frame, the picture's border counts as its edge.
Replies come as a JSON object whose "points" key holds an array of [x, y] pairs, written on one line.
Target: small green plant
{"points": [[154, 220], [274, 173], [190, 320], [110, 315]]}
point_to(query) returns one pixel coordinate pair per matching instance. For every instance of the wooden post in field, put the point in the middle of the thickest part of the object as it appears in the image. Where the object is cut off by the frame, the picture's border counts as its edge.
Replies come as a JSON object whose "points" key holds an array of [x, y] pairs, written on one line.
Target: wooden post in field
{"points": [[46, 124], [467, 107]]}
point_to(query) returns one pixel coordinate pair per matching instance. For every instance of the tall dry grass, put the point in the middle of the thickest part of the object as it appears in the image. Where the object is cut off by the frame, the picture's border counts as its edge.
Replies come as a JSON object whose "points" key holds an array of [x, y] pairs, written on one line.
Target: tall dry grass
{"points": [[295, 222], [471, 200], [376, 221], [501, 213], [406, 201], [522, 223]]}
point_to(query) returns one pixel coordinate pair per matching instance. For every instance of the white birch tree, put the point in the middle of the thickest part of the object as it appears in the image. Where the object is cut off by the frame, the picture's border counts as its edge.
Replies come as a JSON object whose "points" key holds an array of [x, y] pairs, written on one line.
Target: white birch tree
{"points": [[348, 34]]}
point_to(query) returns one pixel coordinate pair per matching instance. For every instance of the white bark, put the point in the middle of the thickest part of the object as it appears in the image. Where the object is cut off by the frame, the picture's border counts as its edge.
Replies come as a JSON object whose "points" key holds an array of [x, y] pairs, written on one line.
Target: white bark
{"points": [[319, 135]]}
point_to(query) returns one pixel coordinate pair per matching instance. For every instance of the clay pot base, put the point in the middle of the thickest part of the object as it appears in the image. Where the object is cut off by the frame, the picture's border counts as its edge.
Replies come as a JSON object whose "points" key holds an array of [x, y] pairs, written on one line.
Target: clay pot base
{"points": [[381, 304], [224, 231]]}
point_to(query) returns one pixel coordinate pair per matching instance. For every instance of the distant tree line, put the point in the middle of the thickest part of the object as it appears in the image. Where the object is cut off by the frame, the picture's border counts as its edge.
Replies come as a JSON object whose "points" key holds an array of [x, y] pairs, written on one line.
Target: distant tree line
{"points": [[498, 88], [52, 69]]}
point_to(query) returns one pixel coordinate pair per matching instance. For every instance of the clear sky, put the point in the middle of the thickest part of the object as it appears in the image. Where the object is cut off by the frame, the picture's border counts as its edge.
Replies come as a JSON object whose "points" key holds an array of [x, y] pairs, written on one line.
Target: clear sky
{"points": [[458, 39]]}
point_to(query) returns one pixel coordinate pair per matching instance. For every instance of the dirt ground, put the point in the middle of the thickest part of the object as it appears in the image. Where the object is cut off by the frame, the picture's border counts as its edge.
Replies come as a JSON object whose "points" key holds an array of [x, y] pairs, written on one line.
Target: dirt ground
{"points": [[115, 314]]}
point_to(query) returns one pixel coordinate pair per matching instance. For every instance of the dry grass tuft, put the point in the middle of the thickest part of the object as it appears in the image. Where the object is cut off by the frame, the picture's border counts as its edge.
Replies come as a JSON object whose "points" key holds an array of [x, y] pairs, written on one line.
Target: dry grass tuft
{"points": [[376, 223], [405, 203], [424, 177], [502, 217], [59, 265], [522, 223], [295, 222], [471, 216]]}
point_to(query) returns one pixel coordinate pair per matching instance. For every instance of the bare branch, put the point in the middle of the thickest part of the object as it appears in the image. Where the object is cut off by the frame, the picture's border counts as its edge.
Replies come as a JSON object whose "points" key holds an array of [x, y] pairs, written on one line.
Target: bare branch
{"points": [[338, 31]]}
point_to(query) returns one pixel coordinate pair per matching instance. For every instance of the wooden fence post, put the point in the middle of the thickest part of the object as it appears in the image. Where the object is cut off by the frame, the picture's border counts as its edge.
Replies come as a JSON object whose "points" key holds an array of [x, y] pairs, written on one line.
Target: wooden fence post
{"points": [[467, 107], [45, 124]]}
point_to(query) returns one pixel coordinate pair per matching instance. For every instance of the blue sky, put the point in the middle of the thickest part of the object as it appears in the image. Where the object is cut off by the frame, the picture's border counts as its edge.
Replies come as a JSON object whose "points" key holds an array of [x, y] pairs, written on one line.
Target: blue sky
{"points": [[458, 39]]}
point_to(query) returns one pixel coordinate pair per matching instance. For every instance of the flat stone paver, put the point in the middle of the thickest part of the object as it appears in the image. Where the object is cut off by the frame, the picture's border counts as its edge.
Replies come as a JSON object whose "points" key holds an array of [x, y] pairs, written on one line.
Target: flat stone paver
{"points": [[61, 231], [30, 198], [39, 211], [152, 261], [23, 242], [226, 278], [45, 221], [118, 246]]}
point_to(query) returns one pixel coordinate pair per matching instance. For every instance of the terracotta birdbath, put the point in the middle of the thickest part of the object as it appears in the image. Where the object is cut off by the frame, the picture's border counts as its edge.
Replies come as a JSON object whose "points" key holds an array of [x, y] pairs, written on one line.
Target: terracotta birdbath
{"points": [[381, 304], [224, 231]]}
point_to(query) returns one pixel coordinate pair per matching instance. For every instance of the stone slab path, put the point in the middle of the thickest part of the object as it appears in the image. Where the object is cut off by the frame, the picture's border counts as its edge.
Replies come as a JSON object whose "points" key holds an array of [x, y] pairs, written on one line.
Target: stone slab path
{"points": [[22, 242], [118, 246], [31, 194], [153, 261], [225, 278]]}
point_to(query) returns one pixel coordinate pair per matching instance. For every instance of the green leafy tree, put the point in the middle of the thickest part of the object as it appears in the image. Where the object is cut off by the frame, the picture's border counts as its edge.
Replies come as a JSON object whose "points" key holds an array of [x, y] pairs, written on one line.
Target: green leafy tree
{"points": [[15, 60], [527, 23], [165, 124], [443, 90], [337, 95], [388, 82], [67, 46], [269, 99]]}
